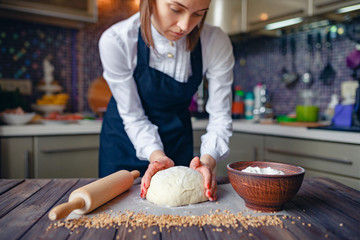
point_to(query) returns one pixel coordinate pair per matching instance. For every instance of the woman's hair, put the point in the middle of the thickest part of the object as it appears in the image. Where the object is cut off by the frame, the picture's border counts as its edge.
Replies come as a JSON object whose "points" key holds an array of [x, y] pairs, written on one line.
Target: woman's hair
{"points": [[146, 9]]}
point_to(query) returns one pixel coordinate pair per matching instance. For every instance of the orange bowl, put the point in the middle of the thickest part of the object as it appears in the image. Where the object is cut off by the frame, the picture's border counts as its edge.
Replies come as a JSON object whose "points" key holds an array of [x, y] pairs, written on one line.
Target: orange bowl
{"points": [[262, 192]]}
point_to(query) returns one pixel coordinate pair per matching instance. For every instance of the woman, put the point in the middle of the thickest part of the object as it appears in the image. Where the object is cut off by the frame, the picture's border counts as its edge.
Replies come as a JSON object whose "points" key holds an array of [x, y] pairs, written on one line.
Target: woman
{"points": [[153, 63]]}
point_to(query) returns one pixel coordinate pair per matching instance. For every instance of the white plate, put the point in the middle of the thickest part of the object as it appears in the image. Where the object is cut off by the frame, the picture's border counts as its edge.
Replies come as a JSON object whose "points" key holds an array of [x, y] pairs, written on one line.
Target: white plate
{"points": [[87, 121], [48, 108], [54, 122], [17, 119]]}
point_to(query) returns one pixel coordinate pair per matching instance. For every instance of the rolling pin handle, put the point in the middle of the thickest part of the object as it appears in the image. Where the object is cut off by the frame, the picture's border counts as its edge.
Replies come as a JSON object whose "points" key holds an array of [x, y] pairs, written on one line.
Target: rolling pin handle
{"points": [[135, 174], [63, 210]]}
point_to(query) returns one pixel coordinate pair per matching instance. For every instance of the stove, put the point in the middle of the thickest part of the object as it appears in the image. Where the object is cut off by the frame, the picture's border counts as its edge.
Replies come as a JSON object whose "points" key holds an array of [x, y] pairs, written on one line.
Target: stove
{"points": [[338, 128]]}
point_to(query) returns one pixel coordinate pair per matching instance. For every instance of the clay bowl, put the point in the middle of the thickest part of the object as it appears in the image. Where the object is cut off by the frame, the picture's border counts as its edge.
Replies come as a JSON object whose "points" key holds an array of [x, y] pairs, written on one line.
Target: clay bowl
{"points": [[266, 193]]}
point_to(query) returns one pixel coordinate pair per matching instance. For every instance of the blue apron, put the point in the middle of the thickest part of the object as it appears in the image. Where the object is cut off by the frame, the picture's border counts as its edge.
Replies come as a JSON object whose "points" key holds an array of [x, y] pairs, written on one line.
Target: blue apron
{"points": [[165, 102]]}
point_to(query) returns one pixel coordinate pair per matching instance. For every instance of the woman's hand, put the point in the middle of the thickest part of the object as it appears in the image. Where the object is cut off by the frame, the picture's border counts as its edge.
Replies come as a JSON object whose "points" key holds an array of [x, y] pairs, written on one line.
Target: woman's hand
{"points": [[206, 167], [158, 161]]}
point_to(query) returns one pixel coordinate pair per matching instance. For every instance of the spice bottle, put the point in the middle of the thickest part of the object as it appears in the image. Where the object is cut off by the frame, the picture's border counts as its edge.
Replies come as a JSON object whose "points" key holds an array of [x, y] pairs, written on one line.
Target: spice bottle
{"points": [[249, 105], [238, 107]]}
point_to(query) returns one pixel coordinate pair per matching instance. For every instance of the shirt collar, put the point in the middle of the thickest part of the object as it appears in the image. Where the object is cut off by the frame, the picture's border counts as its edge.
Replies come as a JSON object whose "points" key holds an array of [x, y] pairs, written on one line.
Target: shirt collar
{"points": [[160, 39]]}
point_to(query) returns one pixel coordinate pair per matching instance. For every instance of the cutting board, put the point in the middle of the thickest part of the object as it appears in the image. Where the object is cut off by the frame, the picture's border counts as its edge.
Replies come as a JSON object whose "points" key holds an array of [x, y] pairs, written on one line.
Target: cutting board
{"points": [[228, 199], [305, 124]]}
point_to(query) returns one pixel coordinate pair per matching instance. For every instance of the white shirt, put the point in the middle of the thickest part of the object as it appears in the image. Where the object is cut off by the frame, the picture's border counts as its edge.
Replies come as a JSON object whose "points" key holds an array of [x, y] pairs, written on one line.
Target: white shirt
{"points": [[118, 53]]}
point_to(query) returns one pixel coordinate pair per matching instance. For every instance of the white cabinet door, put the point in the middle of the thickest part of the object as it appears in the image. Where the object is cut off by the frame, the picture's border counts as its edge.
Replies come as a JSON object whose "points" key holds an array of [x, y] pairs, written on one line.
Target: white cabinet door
{"points": [[243, 147], [66, 156], [16, 157]]}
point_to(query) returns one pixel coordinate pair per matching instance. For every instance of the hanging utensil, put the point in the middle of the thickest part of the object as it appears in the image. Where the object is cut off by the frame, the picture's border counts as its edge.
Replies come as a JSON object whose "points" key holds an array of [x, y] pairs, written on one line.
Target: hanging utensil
{"points": [[327, 76], [318, 52], [283, 50], [292, 76], [307, 77]]}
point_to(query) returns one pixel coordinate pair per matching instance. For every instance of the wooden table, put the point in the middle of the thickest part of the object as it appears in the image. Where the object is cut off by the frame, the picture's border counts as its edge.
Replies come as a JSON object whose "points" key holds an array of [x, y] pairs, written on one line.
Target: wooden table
{"points": [[322, 209]]}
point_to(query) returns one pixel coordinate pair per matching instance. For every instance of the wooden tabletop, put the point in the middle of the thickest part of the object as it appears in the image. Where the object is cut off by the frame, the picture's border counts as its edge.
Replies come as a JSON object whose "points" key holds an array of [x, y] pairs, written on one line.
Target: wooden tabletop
{"points": [[322, 209]]}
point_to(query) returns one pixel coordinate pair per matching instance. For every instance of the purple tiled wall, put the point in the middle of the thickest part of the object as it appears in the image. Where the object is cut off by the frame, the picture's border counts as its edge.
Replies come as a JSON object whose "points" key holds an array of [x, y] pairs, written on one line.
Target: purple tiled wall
{"points": [[263, 61], [23, 47]]}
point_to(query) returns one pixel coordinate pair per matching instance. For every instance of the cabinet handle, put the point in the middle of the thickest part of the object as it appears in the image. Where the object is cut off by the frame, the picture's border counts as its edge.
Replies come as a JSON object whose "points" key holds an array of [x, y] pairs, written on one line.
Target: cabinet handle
{"points": [[69, 149], [255, 154], [27, 164], [329, 159]]}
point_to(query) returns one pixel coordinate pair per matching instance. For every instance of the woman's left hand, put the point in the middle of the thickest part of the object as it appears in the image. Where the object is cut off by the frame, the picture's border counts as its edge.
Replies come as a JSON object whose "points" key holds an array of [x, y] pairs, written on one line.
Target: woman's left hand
{"points": [[206, 166]]}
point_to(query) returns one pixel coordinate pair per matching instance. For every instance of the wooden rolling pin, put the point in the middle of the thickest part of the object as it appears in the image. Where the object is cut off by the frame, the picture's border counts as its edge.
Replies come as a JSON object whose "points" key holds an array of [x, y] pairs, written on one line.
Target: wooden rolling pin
{"points": [[95, 194]]}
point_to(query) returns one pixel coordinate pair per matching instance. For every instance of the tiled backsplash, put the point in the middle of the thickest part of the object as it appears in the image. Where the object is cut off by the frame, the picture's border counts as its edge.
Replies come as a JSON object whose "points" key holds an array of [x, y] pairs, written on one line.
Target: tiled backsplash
{"points": [[23, 47], [76, 59], [261, 60]]}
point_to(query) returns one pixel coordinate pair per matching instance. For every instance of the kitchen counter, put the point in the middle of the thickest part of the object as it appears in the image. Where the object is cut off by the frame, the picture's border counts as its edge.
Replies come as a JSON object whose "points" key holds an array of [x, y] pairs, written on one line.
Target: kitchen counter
{"points": [[322, 209], [238, 126], [93, 127], [287, 131]]}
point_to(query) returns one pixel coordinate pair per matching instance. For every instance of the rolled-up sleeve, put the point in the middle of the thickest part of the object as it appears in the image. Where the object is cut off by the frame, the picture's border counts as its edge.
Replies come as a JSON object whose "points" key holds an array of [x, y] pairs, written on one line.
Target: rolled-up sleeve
{"points": [[219, 73]]}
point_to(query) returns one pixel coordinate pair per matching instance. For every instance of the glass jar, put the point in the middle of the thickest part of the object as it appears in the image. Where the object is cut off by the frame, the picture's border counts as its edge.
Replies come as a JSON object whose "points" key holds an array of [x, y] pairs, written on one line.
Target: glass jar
{"points": [[307, 106]]}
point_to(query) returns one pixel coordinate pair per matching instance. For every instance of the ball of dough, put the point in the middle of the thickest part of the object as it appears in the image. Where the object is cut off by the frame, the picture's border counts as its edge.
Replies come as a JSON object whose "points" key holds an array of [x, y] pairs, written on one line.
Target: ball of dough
{"points": [[176, 186]]}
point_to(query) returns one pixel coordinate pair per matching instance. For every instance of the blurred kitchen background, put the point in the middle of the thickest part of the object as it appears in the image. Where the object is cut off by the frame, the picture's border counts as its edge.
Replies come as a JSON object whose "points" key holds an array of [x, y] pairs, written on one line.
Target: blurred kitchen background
{"points": [[69, 32]]}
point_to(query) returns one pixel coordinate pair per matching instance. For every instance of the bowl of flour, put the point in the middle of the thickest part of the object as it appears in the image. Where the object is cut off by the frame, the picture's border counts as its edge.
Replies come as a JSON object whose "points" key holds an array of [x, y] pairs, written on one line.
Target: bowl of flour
{"points": [[265, 186]]}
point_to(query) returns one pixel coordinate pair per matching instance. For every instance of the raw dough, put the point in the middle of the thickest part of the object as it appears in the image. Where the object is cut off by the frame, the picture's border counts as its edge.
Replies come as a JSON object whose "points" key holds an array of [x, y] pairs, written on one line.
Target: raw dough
{"points": [[176, 186]]}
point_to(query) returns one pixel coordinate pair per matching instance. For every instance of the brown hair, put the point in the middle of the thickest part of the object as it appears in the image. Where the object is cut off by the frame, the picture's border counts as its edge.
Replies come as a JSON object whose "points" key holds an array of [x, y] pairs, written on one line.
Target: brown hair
{"points": [[146, 9]]}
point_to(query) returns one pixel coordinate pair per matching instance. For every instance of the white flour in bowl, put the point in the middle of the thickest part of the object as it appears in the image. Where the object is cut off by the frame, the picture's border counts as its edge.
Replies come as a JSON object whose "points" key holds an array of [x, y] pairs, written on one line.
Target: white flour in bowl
{"points": [[268, 170]]}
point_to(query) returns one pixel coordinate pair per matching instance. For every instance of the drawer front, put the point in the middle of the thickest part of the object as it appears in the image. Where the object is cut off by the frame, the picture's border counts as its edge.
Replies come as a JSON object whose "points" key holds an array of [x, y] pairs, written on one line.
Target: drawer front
{"points": [[342, 159], [67, 156], [351, 182], [16, 157]]}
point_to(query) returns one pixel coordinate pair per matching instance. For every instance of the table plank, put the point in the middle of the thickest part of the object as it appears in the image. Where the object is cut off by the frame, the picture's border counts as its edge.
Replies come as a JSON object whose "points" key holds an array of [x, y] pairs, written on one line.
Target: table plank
{"points": [[331, 197], [15, 196], [271, 232], [220, 233], [101, 233], [304, 228], [129, 233], [6, 184], [314, 208], [24, 216], [183, 233], [341, 193], [39, 230]]}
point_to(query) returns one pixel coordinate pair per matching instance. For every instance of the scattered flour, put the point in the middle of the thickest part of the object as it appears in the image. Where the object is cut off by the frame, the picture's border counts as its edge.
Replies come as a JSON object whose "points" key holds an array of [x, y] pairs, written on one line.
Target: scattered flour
{"points": [[268, 170]]}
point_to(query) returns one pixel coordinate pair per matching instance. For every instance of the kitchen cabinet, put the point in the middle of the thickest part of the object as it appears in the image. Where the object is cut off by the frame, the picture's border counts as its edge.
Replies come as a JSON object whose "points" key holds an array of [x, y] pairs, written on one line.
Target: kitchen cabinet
{"points": [[16, 157], [325, 6], [235, 16], [65, 156], [197, 141], [243, 147], [65, 13], [338, 161]]}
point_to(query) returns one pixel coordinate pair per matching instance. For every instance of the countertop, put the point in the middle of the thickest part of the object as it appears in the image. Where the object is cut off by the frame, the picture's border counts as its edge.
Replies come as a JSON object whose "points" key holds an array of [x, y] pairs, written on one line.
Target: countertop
{"points": [[244, 126], [322, 209]]}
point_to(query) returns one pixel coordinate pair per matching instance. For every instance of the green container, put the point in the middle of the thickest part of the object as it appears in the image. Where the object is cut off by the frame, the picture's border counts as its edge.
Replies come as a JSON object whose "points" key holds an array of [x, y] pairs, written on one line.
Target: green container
{"points": [[305, 113]]}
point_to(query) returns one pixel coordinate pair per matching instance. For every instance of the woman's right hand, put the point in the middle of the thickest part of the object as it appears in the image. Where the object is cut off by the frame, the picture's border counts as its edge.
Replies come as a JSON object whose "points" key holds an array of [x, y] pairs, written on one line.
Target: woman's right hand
{"points": [[158, 161]]}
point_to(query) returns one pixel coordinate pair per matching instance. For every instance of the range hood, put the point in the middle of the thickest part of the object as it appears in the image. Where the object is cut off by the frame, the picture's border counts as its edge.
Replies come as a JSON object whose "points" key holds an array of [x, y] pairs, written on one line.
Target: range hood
{"points": [[229, 15]]}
